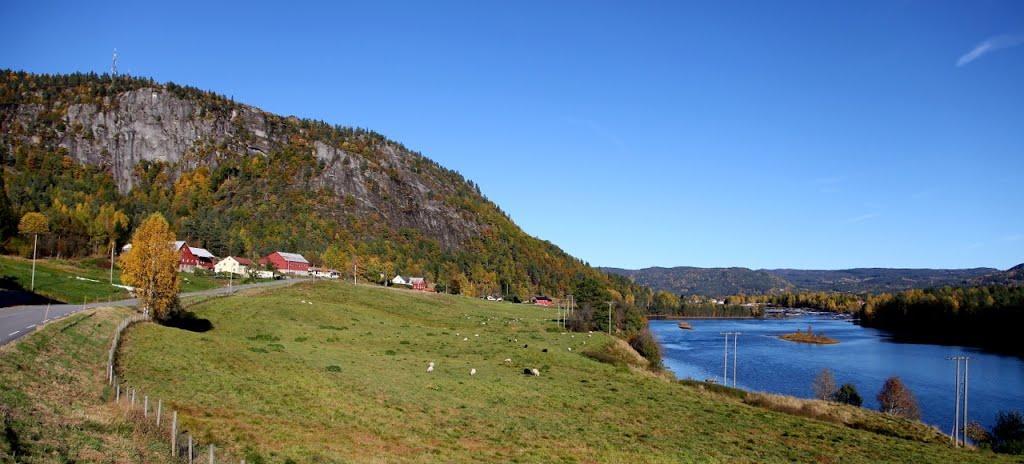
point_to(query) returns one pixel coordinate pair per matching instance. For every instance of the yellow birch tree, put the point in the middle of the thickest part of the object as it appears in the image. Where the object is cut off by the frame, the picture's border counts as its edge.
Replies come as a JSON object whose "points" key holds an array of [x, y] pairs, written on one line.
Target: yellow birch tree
{"points": [[151, 266]]}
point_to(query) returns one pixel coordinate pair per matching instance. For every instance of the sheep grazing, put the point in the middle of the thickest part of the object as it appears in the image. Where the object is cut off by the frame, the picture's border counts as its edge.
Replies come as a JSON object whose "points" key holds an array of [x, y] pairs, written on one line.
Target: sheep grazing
{"points": [[472, 372], [465, 339], [430, 367], [570, 348], [534, 372], [508, 360]]}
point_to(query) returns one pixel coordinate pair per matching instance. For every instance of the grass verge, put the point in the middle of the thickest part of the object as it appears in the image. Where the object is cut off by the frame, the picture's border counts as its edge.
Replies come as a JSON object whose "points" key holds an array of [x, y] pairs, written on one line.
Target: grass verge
{"points": [[53, 397]]}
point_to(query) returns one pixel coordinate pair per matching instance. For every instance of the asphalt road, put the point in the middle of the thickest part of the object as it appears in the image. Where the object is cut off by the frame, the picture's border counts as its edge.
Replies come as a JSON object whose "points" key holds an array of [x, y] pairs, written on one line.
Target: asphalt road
{"points": [[17, 321]]}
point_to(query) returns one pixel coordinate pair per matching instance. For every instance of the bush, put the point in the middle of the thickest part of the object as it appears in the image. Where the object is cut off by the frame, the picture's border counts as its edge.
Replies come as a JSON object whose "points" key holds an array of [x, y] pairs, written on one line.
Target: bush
{"points": [[1008, 432], [847, 394], [643, 342], [896, 399]]}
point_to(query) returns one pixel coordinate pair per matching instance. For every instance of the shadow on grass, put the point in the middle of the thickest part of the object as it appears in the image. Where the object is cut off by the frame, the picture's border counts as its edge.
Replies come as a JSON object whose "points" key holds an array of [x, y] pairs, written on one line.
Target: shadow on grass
{"points": [[187, 320], [13, 294]]}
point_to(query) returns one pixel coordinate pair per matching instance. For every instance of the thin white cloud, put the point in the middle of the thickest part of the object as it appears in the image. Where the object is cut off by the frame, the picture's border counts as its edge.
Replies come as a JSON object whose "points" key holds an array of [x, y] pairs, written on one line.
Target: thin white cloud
{"points": [[990, 45], [861, 218]]}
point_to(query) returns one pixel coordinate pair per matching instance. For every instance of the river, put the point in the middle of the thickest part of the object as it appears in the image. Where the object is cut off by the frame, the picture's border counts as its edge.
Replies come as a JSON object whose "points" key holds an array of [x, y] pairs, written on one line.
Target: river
{"points": [[863, 356]]}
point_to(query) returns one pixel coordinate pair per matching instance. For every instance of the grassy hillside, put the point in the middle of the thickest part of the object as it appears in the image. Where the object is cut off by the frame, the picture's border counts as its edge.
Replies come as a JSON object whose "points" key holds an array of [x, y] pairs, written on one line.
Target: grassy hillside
{"points": [[76, 281], [52, 397], [330, 372]]}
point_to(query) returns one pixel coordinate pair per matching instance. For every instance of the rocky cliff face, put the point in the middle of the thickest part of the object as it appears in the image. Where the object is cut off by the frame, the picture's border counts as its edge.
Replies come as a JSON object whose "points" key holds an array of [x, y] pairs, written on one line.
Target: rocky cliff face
{"points": [[155, 123]]}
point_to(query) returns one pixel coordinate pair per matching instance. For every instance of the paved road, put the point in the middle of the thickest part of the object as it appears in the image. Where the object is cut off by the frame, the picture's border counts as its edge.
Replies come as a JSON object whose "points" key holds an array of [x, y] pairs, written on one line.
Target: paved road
{"points": [[17, 321]]}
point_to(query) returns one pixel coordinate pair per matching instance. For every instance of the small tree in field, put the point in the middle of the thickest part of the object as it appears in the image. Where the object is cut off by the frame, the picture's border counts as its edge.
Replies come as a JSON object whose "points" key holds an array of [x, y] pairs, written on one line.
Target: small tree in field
{"points": [[33, 224], [847, 394], [896, 399], [824, 385], [151, 266]]}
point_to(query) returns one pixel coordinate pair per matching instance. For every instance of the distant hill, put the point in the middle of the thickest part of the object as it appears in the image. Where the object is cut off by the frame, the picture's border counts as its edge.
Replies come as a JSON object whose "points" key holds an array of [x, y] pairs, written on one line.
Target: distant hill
{"points": [[1011, 276], [705, 281], [730, 281], [875, 280]]}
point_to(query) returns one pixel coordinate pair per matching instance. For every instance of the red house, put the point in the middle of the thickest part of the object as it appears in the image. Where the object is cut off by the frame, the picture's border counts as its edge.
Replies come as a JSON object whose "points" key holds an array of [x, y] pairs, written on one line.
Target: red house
{"points": [[542, 301], [291, 263]]}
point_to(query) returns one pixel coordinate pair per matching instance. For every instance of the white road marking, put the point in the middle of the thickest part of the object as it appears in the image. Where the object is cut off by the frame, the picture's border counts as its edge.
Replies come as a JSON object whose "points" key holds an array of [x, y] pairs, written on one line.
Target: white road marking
{"points": [[29, 327], [13, 333]]}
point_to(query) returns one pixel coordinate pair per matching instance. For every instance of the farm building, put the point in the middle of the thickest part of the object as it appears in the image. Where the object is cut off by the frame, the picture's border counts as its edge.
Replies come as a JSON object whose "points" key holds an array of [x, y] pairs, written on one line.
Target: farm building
{"points": [[399, 280], [233, 265], [418, 283], [289, 263], [541, 301], [204, 258]]}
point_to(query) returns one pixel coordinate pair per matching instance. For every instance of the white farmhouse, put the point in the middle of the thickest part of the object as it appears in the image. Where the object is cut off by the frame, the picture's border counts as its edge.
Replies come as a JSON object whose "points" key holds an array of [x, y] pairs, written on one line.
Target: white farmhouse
{"points": [[233, 265]]}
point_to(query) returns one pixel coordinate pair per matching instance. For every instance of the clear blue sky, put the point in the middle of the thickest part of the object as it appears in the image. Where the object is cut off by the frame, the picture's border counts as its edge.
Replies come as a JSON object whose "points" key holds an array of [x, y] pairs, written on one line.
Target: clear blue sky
{"points": [[758, 134]]}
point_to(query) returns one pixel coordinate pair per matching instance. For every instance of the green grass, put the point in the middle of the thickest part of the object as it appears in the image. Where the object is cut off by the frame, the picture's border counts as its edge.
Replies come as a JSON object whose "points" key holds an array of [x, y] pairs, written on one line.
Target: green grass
{"points": [[86, 280], [344, 380], [53, 398]]}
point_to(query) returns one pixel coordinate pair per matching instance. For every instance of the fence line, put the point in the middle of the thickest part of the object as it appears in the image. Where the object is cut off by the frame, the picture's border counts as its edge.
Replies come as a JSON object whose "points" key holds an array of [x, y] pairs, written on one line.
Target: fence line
{"points": [[184, 446]]}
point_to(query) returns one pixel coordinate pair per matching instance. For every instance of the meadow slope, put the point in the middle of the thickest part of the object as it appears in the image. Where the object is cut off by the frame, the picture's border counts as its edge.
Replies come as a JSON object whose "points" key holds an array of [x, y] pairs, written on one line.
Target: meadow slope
{"points": [[330, 372]]}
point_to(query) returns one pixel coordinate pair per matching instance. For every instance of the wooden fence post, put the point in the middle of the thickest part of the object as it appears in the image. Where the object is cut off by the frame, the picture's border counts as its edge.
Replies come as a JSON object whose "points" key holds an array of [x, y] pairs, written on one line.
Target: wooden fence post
{"points": [[159, 407], [145, 406], [190, 448], [174, 433], [211, 454], [117, 397], [133, 397]]}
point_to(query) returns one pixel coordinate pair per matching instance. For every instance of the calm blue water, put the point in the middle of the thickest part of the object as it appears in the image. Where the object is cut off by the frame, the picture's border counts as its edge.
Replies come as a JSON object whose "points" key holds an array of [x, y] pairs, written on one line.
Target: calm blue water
{"points": [[865, 357]]}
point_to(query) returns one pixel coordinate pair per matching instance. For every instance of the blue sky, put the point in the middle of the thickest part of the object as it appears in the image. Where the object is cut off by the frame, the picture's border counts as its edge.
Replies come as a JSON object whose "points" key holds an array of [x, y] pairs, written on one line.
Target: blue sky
{"points": [[757, 134]]}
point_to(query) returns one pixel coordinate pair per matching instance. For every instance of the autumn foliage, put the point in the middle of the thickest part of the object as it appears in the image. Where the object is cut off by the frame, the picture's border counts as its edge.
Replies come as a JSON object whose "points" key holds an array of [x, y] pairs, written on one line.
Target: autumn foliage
{"points": [[151, 266], [896, 399]]}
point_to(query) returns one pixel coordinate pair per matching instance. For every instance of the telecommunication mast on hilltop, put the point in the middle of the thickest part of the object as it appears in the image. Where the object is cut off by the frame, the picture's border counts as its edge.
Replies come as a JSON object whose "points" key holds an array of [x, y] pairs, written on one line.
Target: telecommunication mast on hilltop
{"points": [[113, 64]]}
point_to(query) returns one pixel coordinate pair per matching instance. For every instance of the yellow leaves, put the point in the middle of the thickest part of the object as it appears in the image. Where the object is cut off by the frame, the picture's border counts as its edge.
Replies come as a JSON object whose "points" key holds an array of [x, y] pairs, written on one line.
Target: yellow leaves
{"points": [[33, 223], [151, 266]]}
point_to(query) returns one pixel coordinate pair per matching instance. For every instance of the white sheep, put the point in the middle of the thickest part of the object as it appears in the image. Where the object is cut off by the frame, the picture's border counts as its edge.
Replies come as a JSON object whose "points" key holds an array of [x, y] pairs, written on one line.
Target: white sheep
{"points": [[465, 339], [472, 372], [508, 360], [430, 367], [535, 372]]}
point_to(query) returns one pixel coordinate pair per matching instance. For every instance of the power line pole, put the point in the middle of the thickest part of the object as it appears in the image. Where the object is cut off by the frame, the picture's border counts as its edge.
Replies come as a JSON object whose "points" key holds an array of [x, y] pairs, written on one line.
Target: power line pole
{"points": [[959, 434], [725, 357]]}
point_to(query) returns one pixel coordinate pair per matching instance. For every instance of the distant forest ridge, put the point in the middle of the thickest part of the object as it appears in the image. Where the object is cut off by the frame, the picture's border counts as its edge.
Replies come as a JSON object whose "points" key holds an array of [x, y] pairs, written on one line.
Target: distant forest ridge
{"points": [[720, 282]]}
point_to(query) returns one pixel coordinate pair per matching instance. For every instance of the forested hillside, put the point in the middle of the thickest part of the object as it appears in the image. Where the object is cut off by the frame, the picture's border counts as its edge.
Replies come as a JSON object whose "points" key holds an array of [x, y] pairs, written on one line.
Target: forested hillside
{"points": [[721, 282], [686, 280], [97, 153]]}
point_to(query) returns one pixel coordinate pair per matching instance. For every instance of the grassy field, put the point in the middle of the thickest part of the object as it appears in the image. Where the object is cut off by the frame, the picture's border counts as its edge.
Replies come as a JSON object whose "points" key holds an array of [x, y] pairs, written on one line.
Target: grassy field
{"points": [[77, 281], [330, 372], [53, 406]]}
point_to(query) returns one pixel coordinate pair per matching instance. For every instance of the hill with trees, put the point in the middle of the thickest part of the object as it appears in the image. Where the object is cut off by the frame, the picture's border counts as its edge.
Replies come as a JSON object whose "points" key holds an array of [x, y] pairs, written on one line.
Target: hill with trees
{"points": [[721, 282], [98, 153]]}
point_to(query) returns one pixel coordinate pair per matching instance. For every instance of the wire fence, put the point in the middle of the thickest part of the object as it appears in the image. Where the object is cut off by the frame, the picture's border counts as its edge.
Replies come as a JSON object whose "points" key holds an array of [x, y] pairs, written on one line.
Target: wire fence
{"points": [[148, 413]]}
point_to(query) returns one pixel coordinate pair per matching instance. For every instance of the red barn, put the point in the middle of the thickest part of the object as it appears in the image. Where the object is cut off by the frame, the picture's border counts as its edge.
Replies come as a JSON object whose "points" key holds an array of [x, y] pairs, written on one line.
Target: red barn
{"points": [[542, 301], [186, 260], [418, 283], [291, 263]]}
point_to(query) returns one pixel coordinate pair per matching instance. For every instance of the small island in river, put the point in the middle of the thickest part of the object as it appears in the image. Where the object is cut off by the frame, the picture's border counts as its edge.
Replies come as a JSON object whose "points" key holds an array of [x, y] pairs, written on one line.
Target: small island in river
{"points": [[808, 337]]}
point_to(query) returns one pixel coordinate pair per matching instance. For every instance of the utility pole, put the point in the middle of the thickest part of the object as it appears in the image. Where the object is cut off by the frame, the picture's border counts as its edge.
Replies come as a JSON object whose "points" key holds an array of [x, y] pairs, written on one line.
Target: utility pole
{"points": [[111, 263], [725, 357], [959, 434]]}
